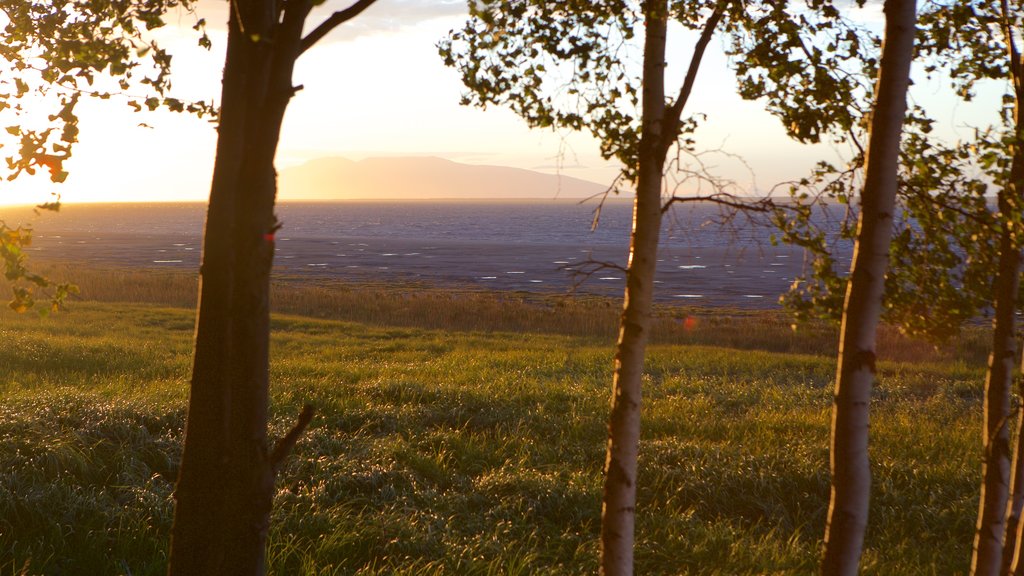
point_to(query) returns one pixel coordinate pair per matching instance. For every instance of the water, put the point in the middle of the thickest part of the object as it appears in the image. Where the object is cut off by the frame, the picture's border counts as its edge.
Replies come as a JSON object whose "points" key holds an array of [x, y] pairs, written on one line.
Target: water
{"points": [[536, 246]]}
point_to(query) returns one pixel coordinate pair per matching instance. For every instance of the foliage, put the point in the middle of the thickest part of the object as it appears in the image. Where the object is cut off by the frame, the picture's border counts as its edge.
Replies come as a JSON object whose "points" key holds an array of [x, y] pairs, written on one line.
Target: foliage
{"points": [[53, 53], [572, 65], [963, 42], [566, 65], [12, 250], [942, 254], [57, 51], [943, 251], [805, 60]]}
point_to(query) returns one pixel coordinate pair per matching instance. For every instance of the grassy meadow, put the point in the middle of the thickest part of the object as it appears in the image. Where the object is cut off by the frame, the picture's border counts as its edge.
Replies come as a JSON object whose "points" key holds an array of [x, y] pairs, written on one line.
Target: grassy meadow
{"points": [[464, 432]]}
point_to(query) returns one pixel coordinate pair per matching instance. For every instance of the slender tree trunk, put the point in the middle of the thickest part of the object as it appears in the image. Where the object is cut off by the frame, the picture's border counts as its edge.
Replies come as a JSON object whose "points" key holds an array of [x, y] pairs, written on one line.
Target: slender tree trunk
{"points": [[659, 131], [851, 475], [618, 514], [1011, 201], [1016, 500], [226, 482], [993, 512]]}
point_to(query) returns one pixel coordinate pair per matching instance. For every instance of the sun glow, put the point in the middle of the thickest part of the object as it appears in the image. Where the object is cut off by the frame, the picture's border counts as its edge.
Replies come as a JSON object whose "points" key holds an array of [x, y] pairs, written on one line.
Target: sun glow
{"points": [[126, 157]]}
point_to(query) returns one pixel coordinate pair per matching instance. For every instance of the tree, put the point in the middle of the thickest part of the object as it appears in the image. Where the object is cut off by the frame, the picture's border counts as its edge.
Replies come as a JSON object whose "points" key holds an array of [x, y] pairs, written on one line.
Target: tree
{"points": [[952, 252], [56, 52], [997, 542], [1002, 493], [815, 97], [58, 48], [561, 65], [855, 375], [950, 225], [509, 68], [226, 481]]}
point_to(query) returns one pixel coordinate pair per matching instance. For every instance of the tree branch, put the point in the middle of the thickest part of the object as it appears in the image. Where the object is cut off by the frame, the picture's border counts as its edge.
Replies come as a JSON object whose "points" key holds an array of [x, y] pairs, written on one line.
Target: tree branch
{"points": [[675, 112], [613, 187], [765, 204], [287, 442], [582, 271], [333, 22], [948, 207], [1011, 47]]}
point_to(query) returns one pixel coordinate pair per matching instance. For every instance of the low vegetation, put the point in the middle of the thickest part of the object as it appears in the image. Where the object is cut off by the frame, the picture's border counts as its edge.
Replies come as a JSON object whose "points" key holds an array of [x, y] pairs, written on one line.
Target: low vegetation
{"points": [[466, 309], [452, 438]]}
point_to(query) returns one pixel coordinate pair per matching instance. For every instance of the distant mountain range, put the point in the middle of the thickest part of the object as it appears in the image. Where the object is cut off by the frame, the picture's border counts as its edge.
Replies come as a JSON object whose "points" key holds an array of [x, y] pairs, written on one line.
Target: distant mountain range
{"points": [[408, 178]]}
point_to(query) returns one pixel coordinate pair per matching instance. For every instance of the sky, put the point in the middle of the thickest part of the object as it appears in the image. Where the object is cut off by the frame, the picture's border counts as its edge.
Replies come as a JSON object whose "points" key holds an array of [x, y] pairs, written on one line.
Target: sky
{"points": [[376, 87]]}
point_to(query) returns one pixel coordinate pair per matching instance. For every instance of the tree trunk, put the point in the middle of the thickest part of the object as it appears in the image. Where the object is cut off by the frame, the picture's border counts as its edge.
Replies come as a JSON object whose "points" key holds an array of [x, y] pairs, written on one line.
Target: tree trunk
{"points": [[1011, 201], [618, 513], [226, 482], [1016, 499], [993, 512], [855, 375]]}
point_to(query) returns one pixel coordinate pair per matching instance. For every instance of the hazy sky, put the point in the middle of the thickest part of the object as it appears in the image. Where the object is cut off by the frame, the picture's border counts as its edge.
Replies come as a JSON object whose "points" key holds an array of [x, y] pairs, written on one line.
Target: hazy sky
{"points": [[377, 87]]}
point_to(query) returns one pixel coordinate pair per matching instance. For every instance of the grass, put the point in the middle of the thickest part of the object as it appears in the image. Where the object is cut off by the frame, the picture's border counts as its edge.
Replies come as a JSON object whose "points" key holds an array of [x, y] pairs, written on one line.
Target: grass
{"points": [[477, 449], [468, 309]]}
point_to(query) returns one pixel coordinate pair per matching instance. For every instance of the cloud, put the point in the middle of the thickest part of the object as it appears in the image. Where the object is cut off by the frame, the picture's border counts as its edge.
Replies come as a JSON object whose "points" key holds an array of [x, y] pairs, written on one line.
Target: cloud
{"points": [[384, 16]]}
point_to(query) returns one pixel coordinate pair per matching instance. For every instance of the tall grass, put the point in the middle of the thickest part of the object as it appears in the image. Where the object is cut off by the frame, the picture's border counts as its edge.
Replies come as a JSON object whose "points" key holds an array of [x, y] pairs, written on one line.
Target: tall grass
{"points": [[473, 452], [422, 306]]}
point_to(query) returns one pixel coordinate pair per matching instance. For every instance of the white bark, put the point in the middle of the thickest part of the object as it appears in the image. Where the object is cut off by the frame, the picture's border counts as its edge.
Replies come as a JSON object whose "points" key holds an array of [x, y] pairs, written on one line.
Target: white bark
{"points": [[618, 514], [855, 375]]}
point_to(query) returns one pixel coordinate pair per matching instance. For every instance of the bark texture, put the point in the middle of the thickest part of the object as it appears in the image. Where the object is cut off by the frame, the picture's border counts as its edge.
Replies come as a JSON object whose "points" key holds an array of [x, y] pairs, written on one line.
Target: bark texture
{"points": [[226, 482], [660, 128], [855, 375], [618, 512], [993, 509], [1016, 501], [1011, 199]]}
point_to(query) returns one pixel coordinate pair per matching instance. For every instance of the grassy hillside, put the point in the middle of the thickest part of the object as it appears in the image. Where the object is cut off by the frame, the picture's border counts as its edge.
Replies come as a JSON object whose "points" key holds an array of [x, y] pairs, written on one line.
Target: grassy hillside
{"points": [[460, 452]]}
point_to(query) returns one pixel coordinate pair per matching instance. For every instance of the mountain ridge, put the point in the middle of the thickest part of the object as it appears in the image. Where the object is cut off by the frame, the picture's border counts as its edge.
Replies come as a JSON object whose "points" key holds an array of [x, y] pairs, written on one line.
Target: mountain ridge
{"points": [[422, 177]]}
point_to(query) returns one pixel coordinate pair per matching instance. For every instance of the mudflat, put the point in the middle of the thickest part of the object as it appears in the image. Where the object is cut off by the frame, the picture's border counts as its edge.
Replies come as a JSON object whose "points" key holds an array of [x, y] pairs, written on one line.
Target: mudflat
{"points": [[749, 277], [520, 246]]}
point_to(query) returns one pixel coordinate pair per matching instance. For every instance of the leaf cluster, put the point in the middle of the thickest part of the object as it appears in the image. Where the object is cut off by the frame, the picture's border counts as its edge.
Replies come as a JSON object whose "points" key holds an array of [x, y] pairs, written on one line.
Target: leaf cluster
{"points": [[52, 54], [944, 246], [564, 65], [942, 259], [26, 286], [964, 42], [810, 62], [57, 51]]}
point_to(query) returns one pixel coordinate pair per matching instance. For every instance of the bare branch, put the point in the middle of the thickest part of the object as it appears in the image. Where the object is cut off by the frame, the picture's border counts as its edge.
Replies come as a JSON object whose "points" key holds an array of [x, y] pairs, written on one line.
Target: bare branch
{"points": [[287, 442], [333, 22], [675, 112], [613, 187], [765, 204], [856, 142], [582, 271]]}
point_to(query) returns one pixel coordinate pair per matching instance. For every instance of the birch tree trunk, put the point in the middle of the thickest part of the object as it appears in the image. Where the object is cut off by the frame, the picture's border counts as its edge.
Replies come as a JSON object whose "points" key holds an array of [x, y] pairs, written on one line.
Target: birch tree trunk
{"points": [[1011, 199], [993, 508], [660, 128], [1016, 500], [618, 514], [855, 375]]}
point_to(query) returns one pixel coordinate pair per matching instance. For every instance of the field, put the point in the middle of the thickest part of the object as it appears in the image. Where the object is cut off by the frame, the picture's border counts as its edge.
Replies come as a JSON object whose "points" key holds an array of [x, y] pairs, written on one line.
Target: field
{"points": [[464, 434]]}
